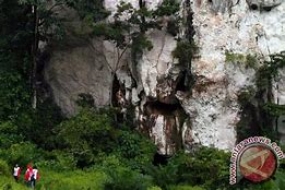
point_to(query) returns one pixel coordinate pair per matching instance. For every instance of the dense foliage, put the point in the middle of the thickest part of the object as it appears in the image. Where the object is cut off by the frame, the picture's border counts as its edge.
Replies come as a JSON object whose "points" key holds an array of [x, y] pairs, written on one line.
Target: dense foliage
{"points": [[90, 150]]}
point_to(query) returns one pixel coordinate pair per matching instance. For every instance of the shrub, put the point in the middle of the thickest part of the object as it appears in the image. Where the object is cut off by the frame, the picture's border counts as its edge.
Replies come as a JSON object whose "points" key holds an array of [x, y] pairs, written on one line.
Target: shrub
{"points": [[154, 188], [207, 167], [136, 150], [86, 135], [4, 169], [22, 153], [164, 176], [184, 52], [57, 161], [14, 97], [185, 187], [9, 135], [124, 178]]}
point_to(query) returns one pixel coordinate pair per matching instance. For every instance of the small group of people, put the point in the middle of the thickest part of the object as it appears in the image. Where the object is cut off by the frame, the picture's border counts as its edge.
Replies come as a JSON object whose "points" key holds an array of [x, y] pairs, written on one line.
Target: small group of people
{"points": [[30, 177]]}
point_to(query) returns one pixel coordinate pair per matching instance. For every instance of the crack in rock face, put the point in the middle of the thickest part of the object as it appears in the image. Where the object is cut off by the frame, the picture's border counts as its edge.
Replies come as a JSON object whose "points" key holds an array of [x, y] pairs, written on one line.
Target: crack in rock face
{"points": [[164, 123], [222, 5], [265, 5]]}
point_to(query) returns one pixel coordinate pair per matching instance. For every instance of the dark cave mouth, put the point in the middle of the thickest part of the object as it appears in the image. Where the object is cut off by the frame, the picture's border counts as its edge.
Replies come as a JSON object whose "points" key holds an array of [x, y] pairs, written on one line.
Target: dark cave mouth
{"points": [[159, 159], [163, 108], [254, 7]]}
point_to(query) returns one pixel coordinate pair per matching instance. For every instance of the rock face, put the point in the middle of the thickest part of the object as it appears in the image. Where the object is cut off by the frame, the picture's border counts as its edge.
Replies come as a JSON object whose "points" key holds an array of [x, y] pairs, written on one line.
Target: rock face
{"points": [[205, 114], [78, 70]]}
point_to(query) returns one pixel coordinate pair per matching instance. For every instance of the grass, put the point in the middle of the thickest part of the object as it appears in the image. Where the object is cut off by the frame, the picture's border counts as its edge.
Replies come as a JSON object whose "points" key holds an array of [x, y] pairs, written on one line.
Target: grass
{"points": [[8, 183], [51, 180]]}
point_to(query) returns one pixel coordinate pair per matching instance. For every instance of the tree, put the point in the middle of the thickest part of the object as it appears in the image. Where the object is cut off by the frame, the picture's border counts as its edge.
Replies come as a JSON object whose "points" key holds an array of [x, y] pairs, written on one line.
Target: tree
{"points": [[129, 26]]}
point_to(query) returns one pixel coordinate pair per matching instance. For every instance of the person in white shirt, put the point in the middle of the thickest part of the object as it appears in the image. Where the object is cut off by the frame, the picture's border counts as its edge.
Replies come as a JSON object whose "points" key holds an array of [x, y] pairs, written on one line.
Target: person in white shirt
{"points": [[34, 177], [16, 172]]}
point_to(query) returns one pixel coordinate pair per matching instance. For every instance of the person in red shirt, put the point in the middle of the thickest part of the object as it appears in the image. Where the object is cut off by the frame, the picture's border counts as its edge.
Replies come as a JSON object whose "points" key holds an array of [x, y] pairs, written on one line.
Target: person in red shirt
{"points": [[16, 172], [28, 174]]}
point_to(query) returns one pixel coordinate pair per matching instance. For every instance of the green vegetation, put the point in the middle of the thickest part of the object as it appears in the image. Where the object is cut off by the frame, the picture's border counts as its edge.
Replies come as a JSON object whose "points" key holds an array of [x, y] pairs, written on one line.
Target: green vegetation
{"points": [[130, 32], [259, 110], [250, 61], [184, 52], [92, 150]]}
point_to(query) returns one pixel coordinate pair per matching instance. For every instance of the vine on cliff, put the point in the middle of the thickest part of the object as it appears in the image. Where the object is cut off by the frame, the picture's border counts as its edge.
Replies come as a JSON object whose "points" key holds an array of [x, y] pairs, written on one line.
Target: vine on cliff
{"points": [[186, 47], [259, 112]]}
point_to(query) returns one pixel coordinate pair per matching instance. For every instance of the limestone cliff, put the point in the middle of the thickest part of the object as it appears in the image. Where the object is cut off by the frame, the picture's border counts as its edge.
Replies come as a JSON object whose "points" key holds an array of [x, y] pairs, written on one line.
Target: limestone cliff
{"points": [[177, 104]]}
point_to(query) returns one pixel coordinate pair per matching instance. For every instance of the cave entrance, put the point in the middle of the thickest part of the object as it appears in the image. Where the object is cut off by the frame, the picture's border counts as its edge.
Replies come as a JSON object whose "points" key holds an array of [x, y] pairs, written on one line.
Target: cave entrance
{"points": [[159, 159], [118, 93], [156, 107]]}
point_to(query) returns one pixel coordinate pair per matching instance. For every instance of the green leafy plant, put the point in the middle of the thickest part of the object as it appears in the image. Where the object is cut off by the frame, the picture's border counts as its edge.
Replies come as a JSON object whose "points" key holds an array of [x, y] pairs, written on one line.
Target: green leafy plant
{"points": [[4, 169], [184, 52], [259, 111], [86, 134], [249, 60], [123, 178]]}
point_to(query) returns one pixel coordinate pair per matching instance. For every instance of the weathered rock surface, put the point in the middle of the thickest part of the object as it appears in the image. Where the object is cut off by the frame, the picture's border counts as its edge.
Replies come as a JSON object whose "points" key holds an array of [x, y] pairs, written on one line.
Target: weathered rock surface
{"points": [[213, 107], [209, 112], [77, 70]]}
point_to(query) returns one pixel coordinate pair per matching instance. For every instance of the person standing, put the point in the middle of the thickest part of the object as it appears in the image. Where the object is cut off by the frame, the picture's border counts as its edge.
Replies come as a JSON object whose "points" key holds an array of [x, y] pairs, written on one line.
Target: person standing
{"points": [[16, 172], [28, 175], [35, 177]]}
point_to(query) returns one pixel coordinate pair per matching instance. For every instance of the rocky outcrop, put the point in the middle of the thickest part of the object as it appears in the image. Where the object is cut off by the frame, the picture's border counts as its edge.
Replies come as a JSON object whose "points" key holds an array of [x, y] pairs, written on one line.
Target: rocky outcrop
{"points": [[240, 29], [174, 114], [78, 70], [279, 98]]}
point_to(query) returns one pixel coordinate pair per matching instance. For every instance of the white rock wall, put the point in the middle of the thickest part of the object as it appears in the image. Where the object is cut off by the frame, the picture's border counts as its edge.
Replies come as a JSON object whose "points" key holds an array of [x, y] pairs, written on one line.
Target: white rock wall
{"points": [[214, 111], [212, 108]]}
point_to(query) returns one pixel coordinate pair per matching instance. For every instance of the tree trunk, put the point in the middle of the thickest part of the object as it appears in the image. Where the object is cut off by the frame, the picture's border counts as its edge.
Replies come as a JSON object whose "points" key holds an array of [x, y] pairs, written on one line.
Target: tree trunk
{"points": [[34, 55]]}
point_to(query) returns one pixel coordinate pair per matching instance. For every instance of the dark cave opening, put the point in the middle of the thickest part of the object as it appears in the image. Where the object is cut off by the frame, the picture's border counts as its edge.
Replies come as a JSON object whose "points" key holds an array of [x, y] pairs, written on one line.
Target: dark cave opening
{"points": [[115, 89], [159, 159], [183, 82], [267, 8], [118, 94], [249, 124], [162, 108], [253, 7]]}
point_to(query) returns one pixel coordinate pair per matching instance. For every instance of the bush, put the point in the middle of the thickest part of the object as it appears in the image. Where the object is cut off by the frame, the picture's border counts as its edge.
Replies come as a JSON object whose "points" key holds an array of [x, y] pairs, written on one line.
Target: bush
{"points": [[125, 178], [4, 169], [154, 188], [9, 135], [14, 97], [164, 176], [86, 135], [185, 187], [58, 161], [23, 153], [207, 167], [136, 150]]}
